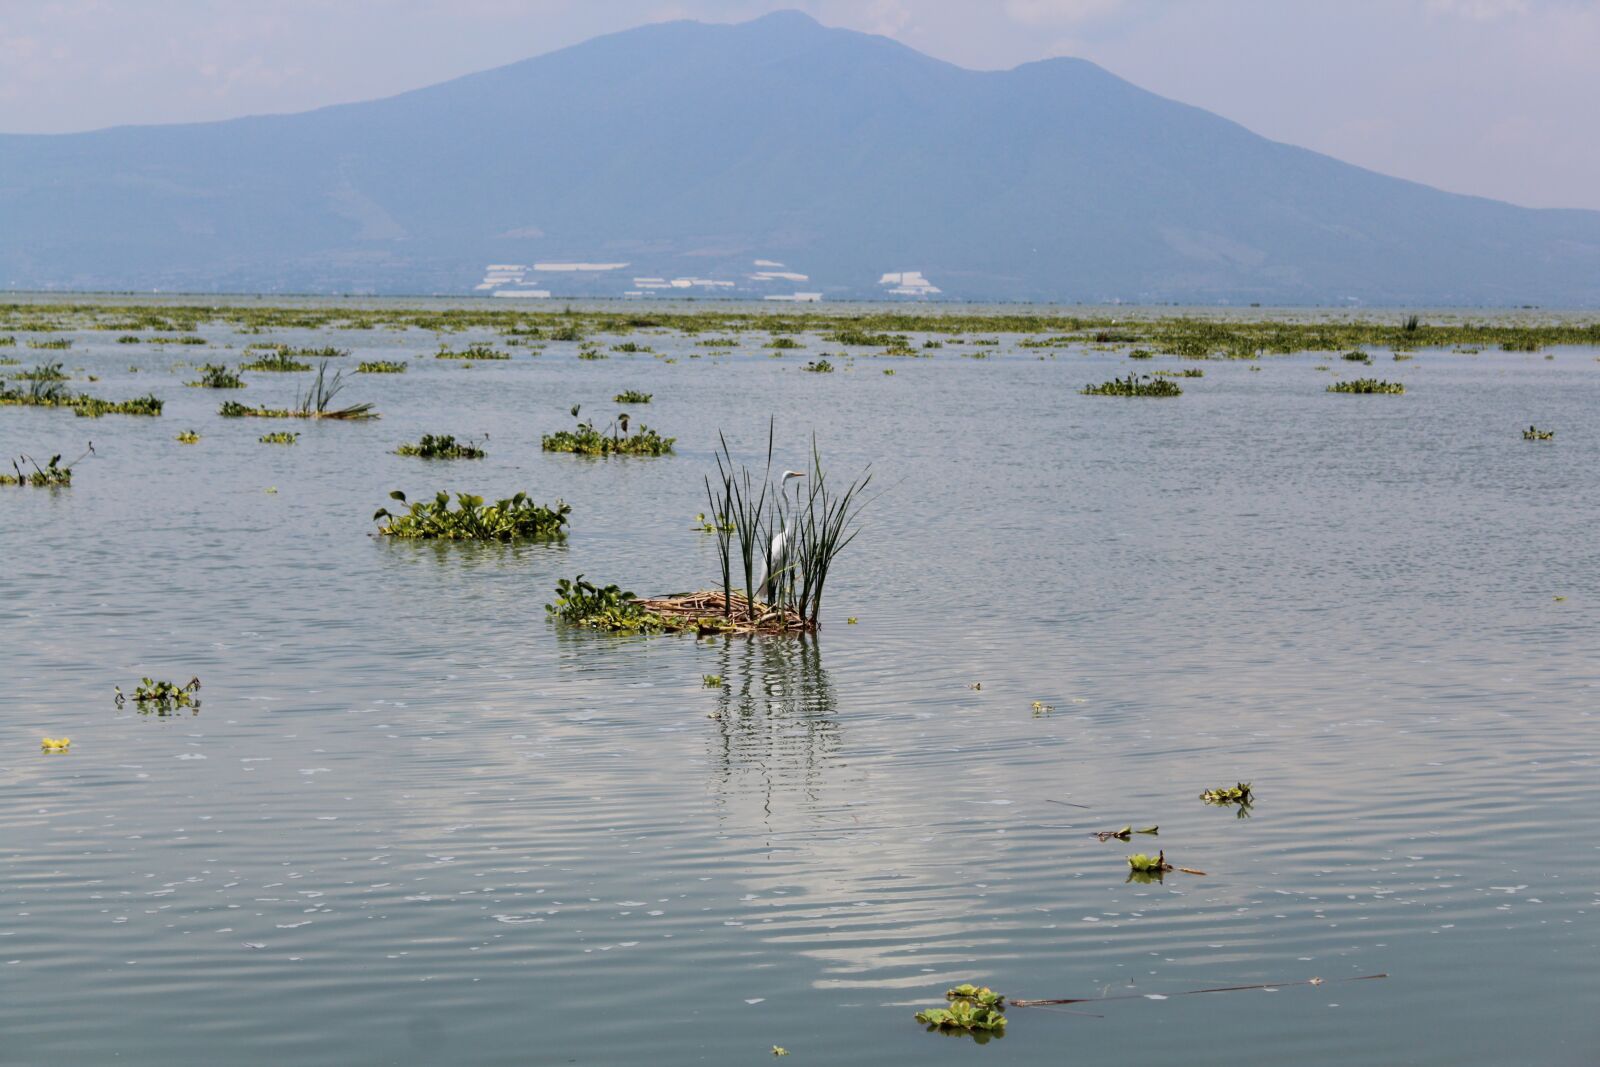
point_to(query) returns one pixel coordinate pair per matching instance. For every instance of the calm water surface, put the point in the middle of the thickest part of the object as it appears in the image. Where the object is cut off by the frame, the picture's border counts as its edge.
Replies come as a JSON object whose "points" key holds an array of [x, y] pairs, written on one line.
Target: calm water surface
{"points": [[414, 823]]}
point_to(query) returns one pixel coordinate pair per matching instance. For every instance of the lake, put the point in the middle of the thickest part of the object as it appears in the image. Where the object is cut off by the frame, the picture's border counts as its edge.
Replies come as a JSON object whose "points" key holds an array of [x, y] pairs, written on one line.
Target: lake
{"points": [[415, 822]]}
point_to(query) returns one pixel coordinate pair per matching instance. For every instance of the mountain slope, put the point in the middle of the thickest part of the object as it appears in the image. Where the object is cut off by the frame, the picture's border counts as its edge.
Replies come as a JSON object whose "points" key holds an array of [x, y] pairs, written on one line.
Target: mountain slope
{"points": [[694, 150]]}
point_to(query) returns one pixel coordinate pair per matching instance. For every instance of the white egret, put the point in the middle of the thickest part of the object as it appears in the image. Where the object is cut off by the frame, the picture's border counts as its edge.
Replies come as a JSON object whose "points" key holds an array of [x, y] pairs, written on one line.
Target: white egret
{"points": [[777, 559]]}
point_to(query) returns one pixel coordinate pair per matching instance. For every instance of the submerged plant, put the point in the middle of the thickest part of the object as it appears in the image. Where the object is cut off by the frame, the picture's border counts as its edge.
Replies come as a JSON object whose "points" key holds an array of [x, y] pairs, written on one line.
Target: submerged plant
{"points": [[632, 396], [1533, 433], [1134, 385], [217, 376], [1367, 385], [162, 698], [444, 446], [511, 519], [974, 1010]]}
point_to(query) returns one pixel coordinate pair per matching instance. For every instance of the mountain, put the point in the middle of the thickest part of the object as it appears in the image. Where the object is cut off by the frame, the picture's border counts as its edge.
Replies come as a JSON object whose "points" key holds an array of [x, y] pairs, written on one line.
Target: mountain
{"points": [[753, 154]]}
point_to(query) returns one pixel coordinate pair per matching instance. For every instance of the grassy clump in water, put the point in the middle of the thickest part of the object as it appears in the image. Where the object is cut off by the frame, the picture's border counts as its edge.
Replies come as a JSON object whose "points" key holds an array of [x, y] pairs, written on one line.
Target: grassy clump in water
{"points": [[1134, 385], [278, 361], [515, 518], [474, 351], [632, 396], [819, 366], [1367, 385], [44, 372], [977, 1011], [1533, 433], [443, 446], [380, 366], [50, 476], [279, 437], [312, 404], [51, 394], [585, 440], [55, 343], [217, 376]]}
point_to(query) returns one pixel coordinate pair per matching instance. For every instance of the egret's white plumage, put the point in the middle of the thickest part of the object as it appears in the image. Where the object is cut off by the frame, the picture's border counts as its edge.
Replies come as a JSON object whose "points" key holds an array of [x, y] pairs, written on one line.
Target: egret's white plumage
{"points": [[777, 559]]}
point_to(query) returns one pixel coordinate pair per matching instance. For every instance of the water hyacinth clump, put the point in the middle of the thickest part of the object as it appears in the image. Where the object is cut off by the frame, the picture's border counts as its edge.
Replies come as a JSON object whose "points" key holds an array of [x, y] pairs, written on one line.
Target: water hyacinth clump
{"points": [[162, 698], [279, 437], [188, 437], [380, 366], [609, 608], [1533, 433], [1134, 385], [217, 376], [818, 366], [615, 440], [515, 518], [1367, 385], [442, 446], [474, 351], [632, 396], [278, 360], [977, 1011]]}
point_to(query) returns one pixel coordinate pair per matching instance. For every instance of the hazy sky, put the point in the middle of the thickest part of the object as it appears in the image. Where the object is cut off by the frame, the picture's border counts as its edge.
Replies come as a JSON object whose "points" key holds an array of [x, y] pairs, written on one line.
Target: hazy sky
{"points": [[1495, 97]]}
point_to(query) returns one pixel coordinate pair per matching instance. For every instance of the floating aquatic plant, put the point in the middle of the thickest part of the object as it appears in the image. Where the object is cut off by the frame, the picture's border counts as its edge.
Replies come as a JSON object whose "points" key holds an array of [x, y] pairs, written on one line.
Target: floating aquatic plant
{"points": [[608, 607], [1367, 385], [44, 372], [51, 476], [54, 342], [1357, 356], [631, 346], [474, 351], [188, 437], [279, 361], [1125, 833], [819, 366], [632, 396], [585, 440], [55, 744], [1533, 433], [217, 376], [973, 1010], [443, 446], [1134, 385], [312, 404], [380, 366], [511, 519], [1229, 796], [279, 437], [162, 698], [711, 681]]}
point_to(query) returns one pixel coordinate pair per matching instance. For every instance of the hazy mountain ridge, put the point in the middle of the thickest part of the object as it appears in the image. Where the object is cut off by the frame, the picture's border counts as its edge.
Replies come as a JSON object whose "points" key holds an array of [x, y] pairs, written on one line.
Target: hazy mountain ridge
{"points": [[691, 151]]}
